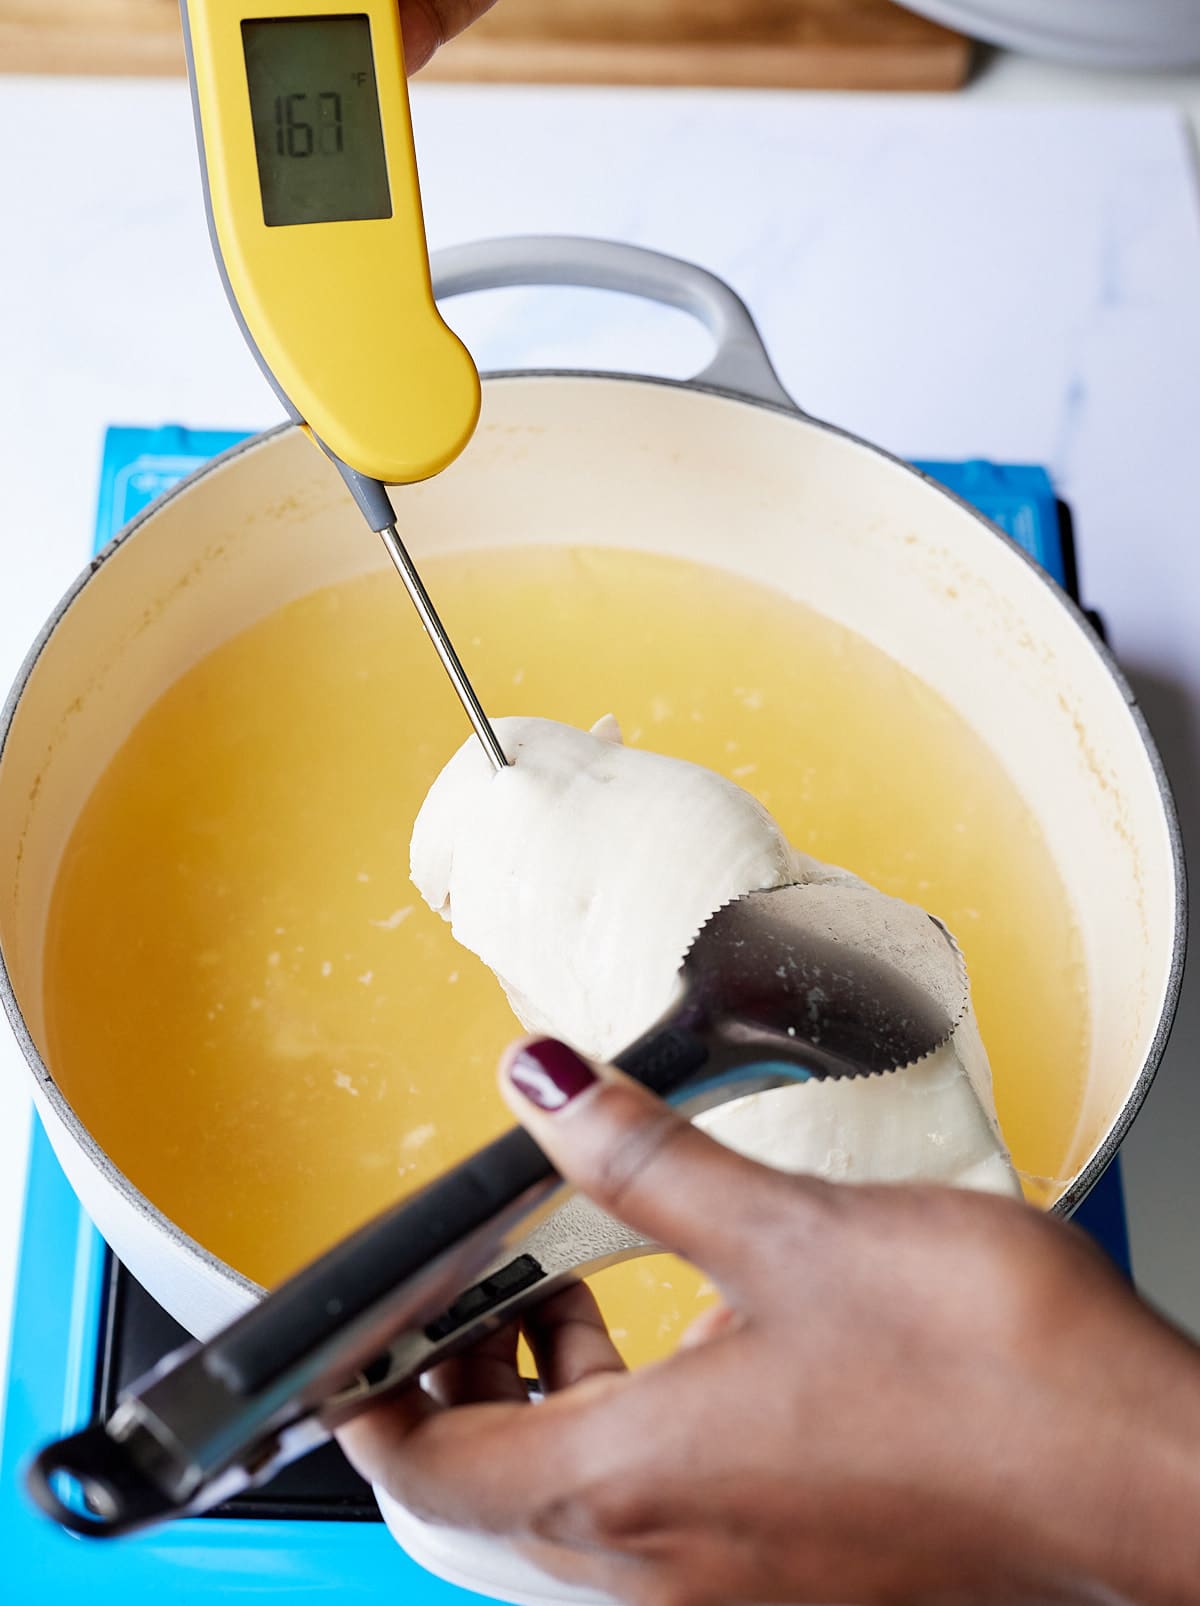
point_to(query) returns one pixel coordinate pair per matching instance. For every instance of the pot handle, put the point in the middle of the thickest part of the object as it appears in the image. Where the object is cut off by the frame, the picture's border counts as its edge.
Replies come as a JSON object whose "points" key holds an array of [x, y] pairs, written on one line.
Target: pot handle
{"points": [[741, 364]]}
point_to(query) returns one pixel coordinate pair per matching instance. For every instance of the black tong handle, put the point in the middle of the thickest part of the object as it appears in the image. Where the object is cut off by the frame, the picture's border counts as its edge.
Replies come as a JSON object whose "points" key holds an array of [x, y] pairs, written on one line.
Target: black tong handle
{"points": [[312, 1306], [265, 1351]]}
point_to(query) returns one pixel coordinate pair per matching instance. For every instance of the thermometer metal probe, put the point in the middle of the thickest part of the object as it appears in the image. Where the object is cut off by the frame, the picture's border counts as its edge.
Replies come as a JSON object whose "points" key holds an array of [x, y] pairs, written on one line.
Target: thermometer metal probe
{"points": [[443, 646], [310, 185]]}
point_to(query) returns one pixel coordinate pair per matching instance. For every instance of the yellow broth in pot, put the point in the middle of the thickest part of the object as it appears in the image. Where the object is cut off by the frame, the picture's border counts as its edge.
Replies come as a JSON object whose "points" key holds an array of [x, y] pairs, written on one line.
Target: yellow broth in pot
{"points": [[257, 1018]]}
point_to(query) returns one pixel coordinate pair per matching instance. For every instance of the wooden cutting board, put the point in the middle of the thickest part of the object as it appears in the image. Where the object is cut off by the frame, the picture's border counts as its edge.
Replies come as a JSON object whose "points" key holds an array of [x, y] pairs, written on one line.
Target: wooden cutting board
{"points": [[817, 44]]}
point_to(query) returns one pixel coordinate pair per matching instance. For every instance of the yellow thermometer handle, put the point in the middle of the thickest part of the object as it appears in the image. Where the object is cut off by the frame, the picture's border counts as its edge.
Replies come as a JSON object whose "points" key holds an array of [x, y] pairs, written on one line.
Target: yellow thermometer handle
{"points": [[311, 186]]}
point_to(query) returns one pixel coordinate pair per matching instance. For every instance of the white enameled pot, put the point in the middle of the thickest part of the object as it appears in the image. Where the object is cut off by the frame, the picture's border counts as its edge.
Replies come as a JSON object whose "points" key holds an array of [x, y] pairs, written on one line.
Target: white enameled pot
{"points": [[724, 469]]}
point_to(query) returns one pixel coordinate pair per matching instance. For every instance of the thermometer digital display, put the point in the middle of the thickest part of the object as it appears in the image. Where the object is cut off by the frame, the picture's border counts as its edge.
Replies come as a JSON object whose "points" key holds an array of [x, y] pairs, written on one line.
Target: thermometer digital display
{"points": [[318, 136]]}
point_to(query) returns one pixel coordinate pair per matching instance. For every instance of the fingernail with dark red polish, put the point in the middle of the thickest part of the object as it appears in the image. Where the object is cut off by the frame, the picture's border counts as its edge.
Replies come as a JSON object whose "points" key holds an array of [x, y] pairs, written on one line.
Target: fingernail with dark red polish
{"points": [[549, 1074]]}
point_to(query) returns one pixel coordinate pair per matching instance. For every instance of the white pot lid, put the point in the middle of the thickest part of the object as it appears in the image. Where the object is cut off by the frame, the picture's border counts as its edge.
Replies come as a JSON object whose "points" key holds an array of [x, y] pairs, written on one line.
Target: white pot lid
{"points": [[1095, 33]]}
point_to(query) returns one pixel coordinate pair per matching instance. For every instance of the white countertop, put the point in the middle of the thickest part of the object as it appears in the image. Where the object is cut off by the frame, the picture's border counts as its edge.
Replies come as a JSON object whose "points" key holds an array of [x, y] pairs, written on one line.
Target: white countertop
{"points": [[988, 275]]}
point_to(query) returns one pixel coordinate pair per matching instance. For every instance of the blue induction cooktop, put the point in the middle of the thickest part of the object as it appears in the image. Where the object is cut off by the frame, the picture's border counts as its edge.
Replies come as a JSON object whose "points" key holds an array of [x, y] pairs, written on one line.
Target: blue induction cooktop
{"points": [[325, 1543]]}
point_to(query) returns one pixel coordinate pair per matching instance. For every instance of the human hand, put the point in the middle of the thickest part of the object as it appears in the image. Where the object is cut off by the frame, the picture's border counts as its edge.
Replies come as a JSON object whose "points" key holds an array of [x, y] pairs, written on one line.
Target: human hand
{"points": [[908, 1395], [427, 24]]}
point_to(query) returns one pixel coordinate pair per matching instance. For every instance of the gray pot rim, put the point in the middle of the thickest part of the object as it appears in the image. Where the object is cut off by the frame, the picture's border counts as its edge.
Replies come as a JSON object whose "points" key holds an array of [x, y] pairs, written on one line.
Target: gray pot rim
{"points": [[1096, 1166]]}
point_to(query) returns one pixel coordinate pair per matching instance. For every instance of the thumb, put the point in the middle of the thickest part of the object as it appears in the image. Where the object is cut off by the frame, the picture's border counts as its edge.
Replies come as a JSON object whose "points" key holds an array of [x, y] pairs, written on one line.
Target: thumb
{"points": [[641, 1161], [427, 24]]}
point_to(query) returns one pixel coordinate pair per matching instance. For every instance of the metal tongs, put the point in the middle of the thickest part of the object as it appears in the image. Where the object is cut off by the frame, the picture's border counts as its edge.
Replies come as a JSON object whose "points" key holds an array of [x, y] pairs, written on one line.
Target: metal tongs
{"points": [[815, 981]]}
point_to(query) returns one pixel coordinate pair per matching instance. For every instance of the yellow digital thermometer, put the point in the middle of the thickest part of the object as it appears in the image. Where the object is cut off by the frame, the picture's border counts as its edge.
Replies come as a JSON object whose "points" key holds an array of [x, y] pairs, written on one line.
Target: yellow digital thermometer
{"points": [[310, 182]]}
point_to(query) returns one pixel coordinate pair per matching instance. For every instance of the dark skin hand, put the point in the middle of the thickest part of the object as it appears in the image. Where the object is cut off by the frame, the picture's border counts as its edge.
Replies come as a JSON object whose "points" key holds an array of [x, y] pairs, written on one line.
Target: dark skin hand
{"points": [[427, 24], [909, 1394]]}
